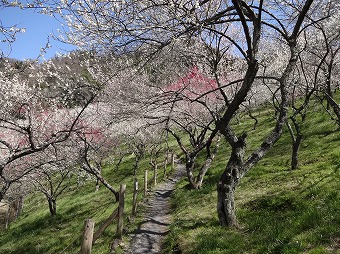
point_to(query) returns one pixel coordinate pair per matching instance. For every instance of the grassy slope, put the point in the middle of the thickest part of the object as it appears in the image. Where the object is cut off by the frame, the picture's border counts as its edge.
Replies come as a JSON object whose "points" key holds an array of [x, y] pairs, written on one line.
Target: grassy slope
{"points": [[37, 232], [280, 211]]}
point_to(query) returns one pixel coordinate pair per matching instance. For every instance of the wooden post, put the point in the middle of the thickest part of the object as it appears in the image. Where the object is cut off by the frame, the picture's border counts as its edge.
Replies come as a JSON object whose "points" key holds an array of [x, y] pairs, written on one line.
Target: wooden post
{"points": [[145, 183], [134, 201], [172, 161], [155, 174], [120, 223], [86, 245], [165, 166]]}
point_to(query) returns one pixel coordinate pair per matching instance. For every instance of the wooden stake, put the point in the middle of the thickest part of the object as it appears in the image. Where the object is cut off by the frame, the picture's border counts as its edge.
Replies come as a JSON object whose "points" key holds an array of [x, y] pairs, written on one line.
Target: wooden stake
{"points": [[172, 162], [145, 183], [155, 174], [120, 223], [134, 201], [165, 166], [86, 245]]}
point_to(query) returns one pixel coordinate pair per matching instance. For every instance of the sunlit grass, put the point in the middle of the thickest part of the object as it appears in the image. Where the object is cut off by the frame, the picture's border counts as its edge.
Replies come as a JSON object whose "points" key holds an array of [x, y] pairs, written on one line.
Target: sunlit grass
{"points": [[279, 210], [37, 232]]}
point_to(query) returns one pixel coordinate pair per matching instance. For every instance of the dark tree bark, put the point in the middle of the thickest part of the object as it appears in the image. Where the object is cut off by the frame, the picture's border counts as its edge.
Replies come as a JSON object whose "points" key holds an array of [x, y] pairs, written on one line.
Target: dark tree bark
{"points": [[139, 154], [237, 166], [295, 152], [121, 157], [52, 205], [228, 182], [136, 165], [230, 177], [296, 141]]}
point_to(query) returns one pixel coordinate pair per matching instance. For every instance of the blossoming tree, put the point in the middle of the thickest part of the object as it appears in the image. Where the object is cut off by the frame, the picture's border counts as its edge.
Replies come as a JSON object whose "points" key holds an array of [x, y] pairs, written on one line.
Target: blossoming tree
{"points": [[241, 28], [30, 124]]}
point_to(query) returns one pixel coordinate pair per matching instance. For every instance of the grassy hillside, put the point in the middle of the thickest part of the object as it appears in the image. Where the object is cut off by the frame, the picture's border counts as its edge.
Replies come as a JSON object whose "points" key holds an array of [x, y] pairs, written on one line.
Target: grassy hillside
{"points": [[37, 232], [279, 210]]}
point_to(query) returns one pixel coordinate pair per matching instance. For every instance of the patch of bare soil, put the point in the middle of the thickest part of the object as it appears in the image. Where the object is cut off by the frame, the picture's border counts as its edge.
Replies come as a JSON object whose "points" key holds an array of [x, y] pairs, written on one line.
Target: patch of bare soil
{"points": [[147, 239]]}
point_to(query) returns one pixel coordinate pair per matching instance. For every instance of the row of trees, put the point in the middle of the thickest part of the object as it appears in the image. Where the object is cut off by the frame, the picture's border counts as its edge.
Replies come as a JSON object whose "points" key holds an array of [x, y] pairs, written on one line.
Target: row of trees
{"points": [[59, 119], [67, 117], [281, 49], [183, 66]]}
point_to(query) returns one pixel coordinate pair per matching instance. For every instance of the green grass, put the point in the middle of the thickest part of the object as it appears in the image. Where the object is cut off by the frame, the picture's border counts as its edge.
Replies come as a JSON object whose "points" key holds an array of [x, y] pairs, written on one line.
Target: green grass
{"points": [[279, 210], [37, 232]]}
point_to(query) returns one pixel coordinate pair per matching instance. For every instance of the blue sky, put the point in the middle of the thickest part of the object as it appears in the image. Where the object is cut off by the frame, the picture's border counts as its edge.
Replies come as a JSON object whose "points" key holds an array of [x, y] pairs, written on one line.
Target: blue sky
{"points": [[38, 28]]}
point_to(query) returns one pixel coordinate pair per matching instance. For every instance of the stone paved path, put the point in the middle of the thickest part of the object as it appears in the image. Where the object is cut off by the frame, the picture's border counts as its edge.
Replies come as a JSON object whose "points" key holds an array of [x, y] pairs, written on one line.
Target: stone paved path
{"points": [[147, 239]]}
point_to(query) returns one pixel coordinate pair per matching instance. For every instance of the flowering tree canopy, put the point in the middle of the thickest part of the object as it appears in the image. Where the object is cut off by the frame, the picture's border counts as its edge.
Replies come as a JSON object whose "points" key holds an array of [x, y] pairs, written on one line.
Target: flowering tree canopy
{"points": [[243, 53], [234, 33], [31, 124]]}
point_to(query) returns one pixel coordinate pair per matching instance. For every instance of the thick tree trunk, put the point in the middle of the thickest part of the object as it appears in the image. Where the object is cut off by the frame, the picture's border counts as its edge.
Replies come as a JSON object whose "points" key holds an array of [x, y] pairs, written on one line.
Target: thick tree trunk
{"points": [[189, 165], [229, 180], [52, 205], [295, 152], [226, 205], [226, 196], [237, 167]]}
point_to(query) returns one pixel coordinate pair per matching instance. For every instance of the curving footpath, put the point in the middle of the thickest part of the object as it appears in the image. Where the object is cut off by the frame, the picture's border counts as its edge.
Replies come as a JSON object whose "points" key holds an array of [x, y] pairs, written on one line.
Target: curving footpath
{"points": [[147, 239]]}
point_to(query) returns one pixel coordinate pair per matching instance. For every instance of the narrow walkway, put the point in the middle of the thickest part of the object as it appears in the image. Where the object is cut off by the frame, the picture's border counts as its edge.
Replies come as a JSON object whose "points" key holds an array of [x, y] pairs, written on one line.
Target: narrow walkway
{"points": [[147, 239]]}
